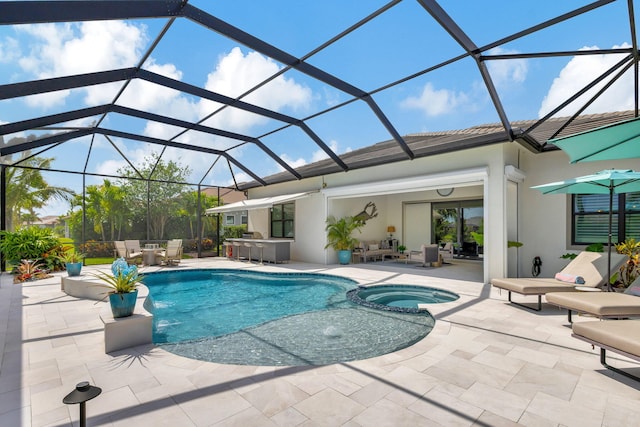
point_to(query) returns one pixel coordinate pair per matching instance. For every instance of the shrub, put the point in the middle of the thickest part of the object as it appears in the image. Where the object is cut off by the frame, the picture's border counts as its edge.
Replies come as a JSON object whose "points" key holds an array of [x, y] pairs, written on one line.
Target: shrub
{"points": [[32, 243]]}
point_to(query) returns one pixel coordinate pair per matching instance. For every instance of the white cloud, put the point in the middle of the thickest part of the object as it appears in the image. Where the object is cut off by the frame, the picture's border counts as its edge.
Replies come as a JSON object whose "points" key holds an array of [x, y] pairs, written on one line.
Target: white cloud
{"points": [[235, 74], [505, 72], [9, 50], [67, 49], [435, 102], [579, 72]]}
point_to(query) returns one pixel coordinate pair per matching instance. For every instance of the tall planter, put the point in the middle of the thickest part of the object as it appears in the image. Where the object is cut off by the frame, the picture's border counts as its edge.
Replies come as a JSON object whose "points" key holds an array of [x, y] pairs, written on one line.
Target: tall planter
{"points": [[123, 304], [344, 257]]}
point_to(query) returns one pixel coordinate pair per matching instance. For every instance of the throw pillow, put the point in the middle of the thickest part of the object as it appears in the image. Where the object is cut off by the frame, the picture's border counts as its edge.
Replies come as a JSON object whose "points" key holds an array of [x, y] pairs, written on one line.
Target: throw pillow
{"points": [[373, 247], [570, 278]]}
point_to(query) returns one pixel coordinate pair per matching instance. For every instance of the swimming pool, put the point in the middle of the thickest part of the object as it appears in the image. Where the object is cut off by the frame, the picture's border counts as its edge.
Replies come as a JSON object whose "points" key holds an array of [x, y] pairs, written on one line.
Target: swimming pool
{"points": [[256, 318]]}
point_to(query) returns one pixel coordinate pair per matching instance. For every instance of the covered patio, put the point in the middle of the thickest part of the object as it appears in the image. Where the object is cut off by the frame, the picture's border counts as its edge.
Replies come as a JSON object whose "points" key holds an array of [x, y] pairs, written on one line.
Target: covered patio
{"points": [[486, 363]]}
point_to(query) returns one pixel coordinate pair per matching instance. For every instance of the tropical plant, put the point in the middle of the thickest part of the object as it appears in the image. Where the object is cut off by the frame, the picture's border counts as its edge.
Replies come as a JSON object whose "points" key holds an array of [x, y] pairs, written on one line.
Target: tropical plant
{"points": [[70, 256], [29, 270], [33, 243], [27, 190], [629, 270], [594, 247], [121, 282], [189, 212], [339, 232]]}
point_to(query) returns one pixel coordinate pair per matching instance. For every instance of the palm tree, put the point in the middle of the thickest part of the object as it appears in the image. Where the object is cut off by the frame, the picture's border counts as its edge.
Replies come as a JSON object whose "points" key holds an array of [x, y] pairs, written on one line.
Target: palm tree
{"points": [[27, 190]]}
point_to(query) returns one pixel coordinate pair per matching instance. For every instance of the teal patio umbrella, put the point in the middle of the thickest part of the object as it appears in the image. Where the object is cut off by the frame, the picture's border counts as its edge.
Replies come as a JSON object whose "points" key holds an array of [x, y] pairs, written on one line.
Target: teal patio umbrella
{"points": [[615, 141], [610, 181]]}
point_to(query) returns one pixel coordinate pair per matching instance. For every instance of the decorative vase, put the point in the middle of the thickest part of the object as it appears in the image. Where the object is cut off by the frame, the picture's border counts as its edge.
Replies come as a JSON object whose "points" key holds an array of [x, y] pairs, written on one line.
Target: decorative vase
{"points": [[73, 268], [122, 305], [344, 256]]}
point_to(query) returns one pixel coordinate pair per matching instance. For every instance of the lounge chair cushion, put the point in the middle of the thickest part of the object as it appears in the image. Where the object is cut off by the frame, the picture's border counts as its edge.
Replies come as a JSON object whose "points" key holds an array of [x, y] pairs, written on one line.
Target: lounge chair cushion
{"points": [[534, 286], [623, 335], [570, 278], [601, 304]]}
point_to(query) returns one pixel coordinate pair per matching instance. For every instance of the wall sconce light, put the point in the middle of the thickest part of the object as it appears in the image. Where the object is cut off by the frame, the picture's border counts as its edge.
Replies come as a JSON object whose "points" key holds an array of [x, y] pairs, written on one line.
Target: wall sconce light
{"points": [[391, 229]]}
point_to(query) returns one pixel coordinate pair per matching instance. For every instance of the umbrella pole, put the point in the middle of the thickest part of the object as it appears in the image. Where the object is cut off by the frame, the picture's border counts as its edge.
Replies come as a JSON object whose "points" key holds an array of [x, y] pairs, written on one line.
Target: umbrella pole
{"points": [[609, 289]]}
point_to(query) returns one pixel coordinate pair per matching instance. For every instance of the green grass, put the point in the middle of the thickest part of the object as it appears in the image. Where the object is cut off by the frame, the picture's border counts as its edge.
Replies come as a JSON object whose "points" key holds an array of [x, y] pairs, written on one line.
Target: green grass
{"points": [[98, 261]]}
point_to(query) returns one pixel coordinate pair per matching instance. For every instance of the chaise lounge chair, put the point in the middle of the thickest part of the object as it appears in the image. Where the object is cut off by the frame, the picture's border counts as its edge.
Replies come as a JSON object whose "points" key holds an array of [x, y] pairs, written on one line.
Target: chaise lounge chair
{"points": [[600, 304], [619, 336], [589, 266]]}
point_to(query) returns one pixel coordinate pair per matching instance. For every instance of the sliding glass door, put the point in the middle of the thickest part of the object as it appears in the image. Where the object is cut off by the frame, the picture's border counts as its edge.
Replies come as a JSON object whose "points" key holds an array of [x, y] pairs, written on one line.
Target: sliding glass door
{"points": [[460, 222]]}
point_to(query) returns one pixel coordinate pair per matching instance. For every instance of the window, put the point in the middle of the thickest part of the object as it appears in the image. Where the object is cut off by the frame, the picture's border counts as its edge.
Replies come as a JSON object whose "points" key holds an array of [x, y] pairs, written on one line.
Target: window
{"points": [[590, 218], [282, 220], [244, 219], [230, 220]]}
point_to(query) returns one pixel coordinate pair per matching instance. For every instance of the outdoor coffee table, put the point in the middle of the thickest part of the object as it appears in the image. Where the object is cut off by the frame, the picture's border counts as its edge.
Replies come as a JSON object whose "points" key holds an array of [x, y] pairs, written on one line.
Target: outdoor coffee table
{"points": [[397, 256]]}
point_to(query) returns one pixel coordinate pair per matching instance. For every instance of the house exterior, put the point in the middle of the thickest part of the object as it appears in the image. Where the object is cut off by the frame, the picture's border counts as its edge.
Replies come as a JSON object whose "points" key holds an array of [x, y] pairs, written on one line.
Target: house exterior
{"points": [[228, 196], [491, 180]]}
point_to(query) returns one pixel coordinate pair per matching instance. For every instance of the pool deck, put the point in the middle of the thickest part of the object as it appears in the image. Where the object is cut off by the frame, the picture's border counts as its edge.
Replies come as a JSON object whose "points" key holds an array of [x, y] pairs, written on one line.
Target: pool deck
{"points": [[486, 363]]}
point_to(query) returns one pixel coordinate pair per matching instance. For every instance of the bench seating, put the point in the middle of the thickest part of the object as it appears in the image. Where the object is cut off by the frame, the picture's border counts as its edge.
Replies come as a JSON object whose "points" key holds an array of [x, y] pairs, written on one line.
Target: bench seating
{"points": [[591, 266], [619, 336]]}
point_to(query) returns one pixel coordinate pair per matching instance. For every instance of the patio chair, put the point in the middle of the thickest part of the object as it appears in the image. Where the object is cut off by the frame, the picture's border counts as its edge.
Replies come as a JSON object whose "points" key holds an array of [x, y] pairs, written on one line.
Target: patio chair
{"points": [[619, 336], [446, 252], [591, 267], [172, 254], [121, 250], [134, 252], [426, 255], [600, 304]]}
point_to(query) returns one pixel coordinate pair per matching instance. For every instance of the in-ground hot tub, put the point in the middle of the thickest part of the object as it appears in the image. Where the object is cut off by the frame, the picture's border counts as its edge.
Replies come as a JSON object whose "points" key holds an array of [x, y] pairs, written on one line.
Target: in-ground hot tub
{"points": [[399, 298]]}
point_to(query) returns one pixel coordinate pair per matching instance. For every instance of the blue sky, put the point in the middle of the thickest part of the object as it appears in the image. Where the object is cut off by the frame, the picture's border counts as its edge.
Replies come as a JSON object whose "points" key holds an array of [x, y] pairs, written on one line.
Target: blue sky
{"points": [[403, 41]]}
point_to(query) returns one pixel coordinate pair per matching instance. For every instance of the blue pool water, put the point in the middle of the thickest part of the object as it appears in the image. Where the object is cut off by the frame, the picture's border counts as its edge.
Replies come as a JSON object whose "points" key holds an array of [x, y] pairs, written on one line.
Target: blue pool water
{"points": [[203, 303], [256, 318], [401, 298]]}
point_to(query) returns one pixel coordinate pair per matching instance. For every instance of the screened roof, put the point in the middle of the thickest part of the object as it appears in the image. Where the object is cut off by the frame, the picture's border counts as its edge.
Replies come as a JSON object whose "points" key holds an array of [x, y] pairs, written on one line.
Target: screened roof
{"points": [[249, 93]]}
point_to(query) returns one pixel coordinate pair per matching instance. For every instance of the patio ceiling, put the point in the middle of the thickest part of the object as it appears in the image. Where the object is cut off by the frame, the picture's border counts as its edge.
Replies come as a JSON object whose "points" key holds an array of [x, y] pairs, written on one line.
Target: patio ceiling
{"points": [[283, 133]]}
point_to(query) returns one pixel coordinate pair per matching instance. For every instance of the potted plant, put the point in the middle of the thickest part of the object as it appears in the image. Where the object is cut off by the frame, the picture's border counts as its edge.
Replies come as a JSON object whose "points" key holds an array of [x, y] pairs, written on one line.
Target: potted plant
{"points": [[124, 289], [339, 236], [402, 248], [72, 261]]}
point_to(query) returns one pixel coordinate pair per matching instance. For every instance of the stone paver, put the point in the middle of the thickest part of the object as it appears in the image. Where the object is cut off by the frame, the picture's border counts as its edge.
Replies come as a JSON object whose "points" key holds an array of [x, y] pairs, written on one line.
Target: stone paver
{"points": [[486, 363]]}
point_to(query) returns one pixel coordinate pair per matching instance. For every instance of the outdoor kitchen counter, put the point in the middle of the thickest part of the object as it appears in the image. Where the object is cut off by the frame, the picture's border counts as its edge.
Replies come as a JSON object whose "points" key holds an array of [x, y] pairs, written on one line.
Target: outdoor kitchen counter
{"points": [[274, 250]]}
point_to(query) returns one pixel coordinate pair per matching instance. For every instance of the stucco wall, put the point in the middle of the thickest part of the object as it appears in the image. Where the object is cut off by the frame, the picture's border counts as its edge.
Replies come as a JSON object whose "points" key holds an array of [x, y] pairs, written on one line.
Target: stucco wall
{"points": [[311, 212], [545, 219]]}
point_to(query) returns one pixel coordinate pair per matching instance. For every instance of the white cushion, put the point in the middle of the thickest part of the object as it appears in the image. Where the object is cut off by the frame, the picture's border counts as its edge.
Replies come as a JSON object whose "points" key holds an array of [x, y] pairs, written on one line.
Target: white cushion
{"points": [[373, 247]]}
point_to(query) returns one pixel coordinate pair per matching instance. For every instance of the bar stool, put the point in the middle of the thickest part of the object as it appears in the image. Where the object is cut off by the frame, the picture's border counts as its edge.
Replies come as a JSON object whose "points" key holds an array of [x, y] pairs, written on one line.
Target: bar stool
{"points": [[237, 245], [261, 246], [248, 245]]}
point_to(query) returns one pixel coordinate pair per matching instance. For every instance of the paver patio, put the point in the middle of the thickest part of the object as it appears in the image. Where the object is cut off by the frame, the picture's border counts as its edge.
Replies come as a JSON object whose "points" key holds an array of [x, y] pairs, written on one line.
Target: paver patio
{"points": [[486, 363]]}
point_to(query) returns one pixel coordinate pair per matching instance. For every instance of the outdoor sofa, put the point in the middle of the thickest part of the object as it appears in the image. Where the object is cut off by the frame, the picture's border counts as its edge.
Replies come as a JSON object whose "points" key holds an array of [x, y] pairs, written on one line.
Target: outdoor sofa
{"points": [[373, 250], [600, 304], [619, 336], [590, 267]]}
